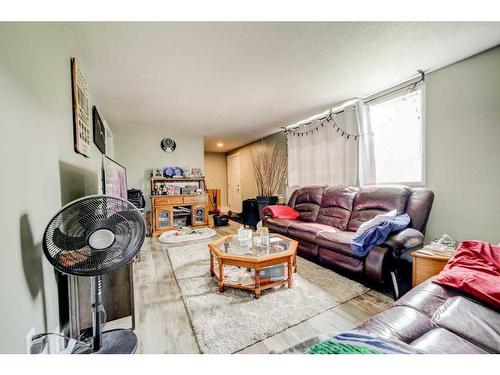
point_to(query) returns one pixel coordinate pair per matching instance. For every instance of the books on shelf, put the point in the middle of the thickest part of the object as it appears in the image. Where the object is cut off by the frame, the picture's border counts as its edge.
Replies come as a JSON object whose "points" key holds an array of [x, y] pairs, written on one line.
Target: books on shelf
{"points": [[273, 273]]}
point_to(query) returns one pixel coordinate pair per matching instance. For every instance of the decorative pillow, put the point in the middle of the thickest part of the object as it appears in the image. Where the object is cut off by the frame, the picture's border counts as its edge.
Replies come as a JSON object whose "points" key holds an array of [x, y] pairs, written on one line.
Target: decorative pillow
{"points": [[376, 221], [474, 269]]}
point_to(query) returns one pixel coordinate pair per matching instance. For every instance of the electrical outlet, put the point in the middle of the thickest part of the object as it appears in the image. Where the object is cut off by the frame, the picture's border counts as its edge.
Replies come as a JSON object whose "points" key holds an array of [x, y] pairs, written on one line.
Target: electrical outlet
{"points": [[29, 337]]}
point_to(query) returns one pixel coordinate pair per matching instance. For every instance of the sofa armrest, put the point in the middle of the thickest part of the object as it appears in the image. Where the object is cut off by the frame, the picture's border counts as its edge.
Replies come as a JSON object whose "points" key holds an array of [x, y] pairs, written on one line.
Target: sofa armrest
{"points": [[405, 239]]}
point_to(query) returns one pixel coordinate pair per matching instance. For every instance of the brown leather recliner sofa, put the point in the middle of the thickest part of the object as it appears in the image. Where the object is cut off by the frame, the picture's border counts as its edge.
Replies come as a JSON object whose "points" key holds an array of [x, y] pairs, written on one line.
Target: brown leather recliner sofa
{"points": [[432, 319], [437, 319], [330, 215]]}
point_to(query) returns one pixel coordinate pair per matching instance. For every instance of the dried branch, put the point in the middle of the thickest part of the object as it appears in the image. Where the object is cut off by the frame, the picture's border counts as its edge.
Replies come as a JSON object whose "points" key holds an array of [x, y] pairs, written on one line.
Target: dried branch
{"points": [[269, 163]]}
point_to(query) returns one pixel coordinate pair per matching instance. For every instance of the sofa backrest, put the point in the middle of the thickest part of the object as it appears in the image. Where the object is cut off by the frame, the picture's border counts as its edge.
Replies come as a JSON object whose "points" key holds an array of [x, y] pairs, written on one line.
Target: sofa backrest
{"points": [[419, 208], [336, 206], [307, 201], [372, 200], [348, 207]]}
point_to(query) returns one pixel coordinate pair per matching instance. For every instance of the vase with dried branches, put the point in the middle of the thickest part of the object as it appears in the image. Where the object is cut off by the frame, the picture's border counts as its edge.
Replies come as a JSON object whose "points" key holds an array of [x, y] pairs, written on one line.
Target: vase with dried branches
{"points": [[269, 163]]}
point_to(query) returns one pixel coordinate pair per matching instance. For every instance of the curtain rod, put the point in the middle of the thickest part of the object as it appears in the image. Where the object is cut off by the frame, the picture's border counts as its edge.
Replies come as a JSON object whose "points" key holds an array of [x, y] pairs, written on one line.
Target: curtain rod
{"points": [[385, 93], [365, 100]]}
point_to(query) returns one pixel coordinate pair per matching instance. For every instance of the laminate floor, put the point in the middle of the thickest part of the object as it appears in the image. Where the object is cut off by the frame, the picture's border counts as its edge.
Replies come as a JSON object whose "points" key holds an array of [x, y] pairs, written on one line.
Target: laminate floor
{"points": [[163, 324]]}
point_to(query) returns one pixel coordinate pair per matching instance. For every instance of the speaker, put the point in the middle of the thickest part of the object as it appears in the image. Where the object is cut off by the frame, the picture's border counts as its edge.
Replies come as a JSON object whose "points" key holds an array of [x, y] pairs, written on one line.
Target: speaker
{"points": [[250, 214]]}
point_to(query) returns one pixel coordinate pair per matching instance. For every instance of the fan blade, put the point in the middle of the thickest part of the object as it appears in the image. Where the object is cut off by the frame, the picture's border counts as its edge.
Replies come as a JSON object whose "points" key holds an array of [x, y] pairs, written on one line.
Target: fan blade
{"points": [[66, 242], [120, 216]]}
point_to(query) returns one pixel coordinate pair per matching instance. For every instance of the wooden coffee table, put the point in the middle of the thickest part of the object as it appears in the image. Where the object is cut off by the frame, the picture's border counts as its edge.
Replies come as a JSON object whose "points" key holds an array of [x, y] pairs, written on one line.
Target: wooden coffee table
{"points": [[228, 252]]}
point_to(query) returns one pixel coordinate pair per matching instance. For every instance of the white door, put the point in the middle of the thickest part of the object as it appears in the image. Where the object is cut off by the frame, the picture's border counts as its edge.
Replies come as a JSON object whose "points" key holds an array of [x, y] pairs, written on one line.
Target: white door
{"points": [[233, 182]]}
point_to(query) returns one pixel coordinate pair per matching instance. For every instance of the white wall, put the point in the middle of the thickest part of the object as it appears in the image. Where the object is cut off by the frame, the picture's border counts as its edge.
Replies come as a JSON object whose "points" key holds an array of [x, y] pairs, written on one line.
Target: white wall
{"points": [[463, 148], [216, 174], [39, 171], [139, 151]]}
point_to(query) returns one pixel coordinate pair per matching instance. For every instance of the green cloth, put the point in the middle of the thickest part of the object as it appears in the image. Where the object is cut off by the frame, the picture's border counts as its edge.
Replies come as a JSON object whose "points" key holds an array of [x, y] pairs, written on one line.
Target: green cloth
{"points": [[335, 347]]}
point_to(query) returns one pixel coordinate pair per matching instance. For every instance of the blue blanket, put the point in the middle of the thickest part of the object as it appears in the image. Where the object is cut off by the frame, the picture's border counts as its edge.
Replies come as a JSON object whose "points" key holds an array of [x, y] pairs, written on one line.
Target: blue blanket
{"points": [[362, 244]]}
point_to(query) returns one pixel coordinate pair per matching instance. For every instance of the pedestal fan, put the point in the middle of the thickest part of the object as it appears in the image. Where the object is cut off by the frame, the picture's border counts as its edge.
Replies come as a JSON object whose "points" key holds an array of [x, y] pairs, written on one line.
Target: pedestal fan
{"points": [[90, 237]]}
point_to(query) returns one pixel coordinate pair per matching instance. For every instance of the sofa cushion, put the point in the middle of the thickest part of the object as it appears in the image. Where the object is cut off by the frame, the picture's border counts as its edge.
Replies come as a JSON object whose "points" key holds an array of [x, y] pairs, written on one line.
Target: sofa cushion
{"points": [[399, 322], [307, 250], [307, 201], [441, 341], [482, 327], [372, 200], [427, 297], [336, 259], [339, 241], [336, 206], [419, 207], [279, 225], [308, 231]]}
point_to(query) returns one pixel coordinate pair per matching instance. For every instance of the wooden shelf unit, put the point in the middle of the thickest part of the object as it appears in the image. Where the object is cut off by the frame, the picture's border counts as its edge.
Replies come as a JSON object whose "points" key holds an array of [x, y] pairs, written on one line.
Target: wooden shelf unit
{"points": [[162, 206]]}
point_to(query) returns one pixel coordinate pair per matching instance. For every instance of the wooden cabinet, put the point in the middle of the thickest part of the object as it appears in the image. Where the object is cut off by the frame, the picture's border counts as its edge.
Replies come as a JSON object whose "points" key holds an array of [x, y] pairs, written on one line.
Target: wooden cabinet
{"points": [[425, 266], [199, 214], [163, 218], [197, 199], [162, 206], [159, 201]]}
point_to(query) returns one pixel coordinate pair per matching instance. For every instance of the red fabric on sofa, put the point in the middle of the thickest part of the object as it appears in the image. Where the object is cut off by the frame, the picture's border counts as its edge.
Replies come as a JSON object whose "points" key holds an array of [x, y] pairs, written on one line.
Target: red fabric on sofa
{"points": [[474, 269], [280, 212]]}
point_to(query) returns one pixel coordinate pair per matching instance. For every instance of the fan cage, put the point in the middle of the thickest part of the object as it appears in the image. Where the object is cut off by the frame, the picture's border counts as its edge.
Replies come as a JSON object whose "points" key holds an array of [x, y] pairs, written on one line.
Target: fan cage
{"points": [[65, 241]]}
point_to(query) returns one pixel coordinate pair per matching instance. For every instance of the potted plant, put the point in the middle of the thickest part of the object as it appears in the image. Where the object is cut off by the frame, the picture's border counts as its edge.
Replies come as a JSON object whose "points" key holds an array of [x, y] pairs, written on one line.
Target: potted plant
{"points": [[269, 166]]}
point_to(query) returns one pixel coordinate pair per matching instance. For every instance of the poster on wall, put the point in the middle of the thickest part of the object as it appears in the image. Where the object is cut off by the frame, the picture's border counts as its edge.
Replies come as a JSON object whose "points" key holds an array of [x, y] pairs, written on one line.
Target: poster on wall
{"points": [[81, 110], [114, 178], [99, 131]]}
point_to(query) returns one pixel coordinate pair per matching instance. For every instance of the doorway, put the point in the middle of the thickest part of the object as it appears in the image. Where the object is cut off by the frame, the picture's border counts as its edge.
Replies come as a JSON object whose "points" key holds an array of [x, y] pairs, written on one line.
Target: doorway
{"points": [[233, 182]]}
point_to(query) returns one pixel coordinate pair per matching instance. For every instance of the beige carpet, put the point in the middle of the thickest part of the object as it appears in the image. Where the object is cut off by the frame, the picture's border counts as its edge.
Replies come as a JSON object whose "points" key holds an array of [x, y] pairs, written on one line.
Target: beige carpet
{"points": [[230, 321]]}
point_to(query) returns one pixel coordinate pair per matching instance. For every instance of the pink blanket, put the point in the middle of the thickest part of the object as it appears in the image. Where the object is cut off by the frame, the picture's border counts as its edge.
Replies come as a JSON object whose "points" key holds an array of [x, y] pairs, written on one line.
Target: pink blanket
{"points": [[474, 269]]}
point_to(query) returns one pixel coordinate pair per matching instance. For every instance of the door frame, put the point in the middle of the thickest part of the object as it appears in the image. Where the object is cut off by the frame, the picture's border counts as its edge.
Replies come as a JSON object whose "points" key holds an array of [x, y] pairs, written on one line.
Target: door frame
{"points": [[233, 156]]}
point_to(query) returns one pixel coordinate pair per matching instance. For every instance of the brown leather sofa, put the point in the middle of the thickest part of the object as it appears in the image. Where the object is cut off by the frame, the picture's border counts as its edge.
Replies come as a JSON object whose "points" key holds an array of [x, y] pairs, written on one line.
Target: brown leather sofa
{"points": [[436, 319], [330, 216], [431, 319]]}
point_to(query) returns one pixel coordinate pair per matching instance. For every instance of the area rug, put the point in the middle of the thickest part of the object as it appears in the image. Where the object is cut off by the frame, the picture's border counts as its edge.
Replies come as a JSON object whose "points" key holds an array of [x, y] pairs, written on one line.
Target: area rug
{"points": [[186, 235], [231, 321]]}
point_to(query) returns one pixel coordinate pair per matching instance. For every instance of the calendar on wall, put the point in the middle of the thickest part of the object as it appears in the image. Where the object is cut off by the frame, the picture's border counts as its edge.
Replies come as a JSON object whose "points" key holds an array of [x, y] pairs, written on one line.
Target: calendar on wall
{"points": [[81, 110]]}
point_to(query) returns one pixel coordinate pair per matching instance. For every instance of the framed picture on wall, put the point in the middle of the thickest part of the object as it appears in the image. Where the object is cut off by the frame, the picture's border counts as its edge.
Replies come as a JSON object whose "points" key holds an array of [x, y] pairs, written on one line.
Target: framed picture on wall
{"points": [[81, 110], [99, 131], [114, 178]]}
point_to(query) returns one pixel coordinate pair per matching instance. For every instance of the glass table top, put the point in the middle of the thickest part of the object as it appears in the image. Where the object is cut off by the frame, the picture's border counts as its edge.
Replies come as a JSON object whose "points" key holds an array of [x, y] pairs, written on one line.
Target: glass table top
{"points": [[277, 244]]}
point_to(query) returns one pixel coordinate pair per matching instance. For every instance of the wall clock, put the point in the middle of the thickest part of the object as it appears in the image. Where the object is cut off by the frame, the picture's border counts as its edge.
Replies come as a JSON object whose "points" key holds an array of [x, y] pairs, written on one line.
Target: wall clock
{"points": [[168, 144]]}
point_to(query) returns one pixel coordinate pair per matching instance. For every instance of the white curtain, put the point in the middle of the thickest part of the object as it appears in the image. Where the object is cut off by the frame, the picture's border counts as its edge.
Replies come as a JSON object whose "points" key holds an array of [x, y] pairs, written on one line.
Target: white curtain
{"points": [[325, 157], [366, 157]]}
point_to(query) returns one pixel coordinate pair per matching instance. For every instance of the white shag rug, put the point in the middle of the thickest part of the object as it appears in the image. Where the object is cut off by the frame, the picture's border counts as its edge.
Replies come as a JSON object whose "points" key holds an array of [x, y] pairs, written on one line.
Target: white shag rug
{"points": [[231, 321], [172, 236]]}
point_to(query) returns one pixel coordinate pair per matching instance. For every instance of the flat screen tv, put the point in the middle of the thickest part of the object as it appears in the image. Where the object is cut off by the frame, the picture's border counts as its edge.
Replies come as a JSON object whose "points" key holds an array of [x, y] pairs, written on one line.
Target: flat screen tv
{"points": [[114, 178]]}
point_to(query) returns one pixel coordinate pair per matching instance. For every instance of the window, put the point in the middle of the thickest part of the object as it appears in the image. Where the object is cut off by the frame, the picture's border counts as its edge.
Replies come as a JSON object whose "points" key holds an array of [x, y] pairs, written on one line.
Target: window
{"points": [[396, 122]]}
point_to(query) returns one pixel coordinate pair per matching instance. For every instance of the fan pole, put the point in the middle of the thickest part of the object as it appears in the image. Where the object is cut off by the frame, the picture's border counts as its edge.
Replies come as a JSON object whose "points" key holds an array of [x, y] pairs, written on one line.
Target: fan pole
{"points": [[96, 312]]}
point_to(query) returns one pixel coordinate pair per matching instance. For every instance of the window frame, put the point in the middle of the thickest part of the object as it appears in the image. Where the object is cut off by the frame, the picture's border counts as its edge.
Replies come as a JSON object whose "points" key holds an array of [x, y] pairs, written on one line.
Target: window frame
{"points": [[420, 86]]}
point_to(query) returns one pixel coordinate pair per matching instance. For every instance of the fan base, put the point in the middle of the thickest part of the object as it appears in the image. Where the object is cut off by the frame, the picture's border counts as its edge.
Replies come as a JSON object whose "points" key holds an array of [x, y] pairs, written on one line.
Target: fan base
{"points": [[118, 341]]}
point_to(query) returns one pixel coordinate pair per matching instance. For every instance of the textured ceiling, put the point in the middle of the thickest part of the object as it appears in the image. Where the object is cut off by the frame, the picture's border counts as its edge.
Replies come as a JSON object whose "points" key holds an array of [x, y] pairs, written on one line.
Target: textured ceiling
{"points": [[236, 82]]}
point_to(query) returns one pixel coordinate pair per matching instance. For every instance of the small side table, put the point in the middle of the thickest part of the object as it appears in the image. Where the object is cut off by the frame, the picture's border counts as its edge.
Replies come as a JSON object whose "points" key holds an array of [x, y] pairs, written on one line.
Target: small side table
{"points": [[425, 266]]}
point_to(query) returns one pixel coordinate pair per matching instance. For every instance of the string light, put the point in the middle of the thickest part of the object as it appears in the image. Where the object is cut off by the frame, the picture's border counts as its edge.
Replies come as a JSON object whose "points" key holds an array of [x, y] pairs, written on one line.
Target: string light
{"points": [[296, 131], [410, 88]]}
